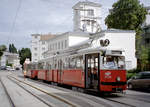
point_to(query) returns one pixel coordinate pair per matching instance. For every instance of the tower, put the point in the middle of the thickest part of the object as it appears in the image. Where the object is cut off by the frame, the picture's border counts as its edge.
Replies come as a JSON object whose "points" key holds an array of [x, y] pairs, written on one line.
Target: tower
{"points": [[87, 17]]}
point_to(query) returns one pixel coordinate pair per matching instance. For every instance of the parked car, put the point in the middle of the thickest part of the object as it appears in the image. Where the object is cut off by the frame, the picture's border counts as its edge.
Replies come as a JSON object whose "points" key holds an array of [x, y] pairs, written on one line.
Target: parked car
{"points": [[140, 81], [10, 68], [3, 68]]}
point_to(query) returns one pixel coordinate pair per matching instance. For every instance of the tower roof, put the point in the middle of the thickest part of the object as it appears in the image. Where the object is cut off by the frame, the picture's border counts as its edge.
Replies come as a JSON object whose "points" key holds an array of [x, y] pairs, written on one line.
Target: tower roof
{"points": [[86, 3]]}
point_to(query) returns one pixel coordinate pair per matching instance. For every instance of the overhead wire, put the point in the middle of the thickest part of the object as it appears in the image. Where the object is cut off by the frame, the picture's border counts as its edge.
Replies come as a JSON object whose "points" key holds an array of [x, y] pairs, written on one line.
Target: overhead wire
{"points": [[14, 21]]}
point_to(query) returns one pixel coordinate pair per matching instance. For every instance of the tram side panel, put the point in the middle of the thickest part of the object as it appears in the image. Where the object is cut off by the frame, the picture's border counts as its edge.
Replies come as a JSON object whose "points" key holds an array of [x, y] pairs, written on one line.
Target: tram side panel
{"points": [[49, 75], [112, 80], [55, 75], [34, 73], [42, 74], [73, 78]]}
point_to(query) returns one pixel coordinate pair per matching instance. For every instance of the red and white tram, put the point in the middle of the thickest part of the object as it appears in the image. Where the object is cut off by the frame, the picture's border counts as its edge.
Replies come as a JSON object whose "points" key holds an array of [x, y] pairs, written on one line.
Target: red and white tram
{"points": [[90, 69]]}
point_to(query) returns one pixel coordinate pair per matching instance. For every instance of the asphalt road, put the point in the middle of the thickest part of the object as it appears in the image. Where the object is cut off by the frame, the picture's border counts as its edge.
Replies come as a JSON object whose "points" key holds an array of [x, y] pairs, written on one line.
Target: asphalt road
{"points": [[23, 94]]}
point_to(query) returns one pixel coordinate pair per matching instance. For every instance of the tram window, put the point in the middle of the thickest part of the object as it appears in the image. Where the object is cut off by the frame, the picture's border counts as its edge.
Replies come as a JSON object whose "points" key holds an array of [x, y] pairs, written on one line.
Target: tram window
{"points": [[40, 66], [65, 63], [55, 64], [113, 62], [79, 62], [96, 62], [72, 62]]}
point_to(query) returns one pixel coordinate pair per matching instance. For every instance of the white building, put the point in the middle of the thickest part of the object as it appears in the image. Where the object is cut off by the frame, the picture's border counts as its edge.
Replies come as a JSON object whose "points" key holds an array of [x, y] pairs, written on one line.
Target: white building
{"points": [[87, 33], [39, 45], [87, 16], [64, 41], [119, 39], [10, 58], [147, 21]]}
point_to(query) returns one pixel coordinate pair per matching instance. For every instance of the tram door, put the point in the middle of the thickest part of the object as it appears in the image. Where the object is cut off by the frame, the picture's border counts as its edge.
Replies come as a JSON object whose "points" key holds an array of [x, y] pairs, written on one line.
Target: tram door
{"points": [[91, 71], [60, 71]]}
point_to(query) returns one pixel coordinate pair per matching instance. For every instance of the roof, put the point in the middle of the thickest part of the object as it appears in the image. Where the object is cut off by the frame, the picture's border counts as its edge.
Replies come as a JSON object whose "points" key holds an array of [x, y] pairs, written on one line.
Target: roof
{"points": [[35, 34], [86, 3], [45, 37], [118, 31], [83, 34]]}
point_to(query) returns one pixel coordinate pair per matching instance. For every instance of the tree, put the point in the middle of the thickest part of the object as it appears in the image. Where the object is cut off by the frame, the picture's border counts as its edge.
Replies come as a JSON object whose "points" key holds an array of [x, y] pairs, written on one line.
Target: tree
{"points": [[12, 48], [127, 15], [144, 56], [2, 49], [23, 54]]}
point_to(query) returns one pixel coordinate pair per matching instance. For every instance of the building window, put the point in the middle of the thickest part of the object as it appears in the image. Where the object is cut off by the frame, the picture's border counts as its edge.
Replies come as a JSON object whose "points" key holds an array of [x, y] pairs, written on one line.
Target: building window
{"points": [[147, 41], [58, 45], [55, 46], [62, 45], [43, 48], [35, 54], [36, 37], [43, 42], [50, 47], [90, 12], [35, 49], [88, 22], [65, 43]]}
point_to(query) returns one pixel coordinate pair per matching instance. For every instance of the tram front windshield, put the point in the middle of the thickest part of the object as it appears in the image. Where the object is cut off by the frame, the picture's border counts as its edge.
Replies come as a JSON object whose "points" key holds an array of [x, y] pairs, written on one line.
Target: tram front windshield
{"points": [[113, 62]]}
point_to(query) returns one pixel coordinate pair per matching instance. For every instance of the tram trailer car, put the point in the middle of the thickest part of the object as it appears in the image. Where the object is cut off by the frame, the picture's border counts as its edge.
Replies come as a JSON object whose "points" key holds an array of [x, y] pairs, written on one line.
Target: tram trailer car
{"points": [[97, 70]]}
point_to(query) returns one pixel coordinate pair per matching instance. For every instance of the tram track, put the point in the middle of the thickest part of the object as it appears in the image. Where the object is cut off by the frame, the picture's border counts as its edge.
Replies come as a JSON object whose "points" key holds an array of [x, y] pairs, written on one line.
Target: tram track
{"points": [[41, 90], [112, 100], [97, 95], [134, 97], [8, 96], [30, 93], [122, 103], [129, 105]]}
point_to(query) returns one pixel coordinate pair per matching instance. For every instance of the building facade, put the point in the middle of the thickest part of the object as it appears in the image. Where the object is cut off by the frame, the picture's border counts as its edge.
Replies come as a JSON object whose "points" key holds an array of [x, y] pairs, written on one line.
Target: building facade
{"points": [[147, 21], [87, 16], [119, 40], [86, 34], [146, 30], [10, 58], [39, 45], [64, 42]]}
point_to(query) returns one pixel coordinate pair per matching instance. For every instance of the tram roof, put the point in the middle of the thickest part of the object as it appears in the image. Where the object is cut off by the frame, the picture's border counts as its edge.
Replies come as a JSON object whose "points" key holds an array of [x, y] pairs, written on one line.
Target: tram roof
{"points": [[98, 49]]}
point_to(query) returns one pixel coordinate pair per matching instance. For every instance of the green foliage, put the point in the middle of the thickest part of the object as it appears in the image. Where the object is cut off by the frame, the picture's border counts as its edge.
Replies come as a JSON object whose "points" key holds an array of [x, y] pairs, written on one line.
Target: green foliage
{"points": [[144, 56], [12, 48], [127, 15], [1, 53], [129, 75], [23, 54], [2, 49], [8, 64]]}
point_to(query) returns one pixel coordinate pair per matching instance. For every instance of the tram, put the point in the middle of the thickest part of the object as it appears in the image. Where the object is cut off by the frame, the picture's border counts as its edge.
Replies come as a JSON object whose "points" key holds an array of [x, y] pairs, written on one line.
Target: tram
{"points": [[93, 69]]}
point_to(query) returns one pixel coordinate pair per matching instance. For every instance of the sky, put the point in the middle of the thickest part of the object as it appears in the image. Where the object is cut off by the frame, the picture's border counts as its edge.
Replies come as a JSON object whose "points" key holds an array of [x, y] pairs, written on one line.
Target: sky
{"points": [[21, 18]]}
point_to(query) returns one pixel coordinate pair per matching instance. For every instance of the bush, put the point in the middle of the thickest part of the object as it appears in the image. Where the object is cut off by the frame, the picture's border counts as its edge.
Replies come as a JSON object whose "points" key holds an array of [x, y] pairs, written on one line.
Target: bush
{"points": [[130, 74]]}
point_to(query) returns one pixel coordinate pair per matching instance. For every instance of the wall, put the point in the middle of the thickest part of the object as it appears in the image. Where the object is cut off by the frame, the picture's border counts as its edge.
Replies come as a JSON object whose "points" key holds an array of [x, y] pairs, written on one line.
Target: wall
{"points": [[124, 41], [80, 15]]}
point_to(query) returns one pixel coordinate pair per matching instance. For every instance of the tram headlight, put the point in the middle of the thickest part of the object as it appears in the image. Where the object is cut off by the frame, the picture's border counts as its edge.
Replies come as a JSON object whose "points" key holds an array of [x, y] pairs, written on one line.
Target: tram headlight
{"points": [[118, 79]]}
